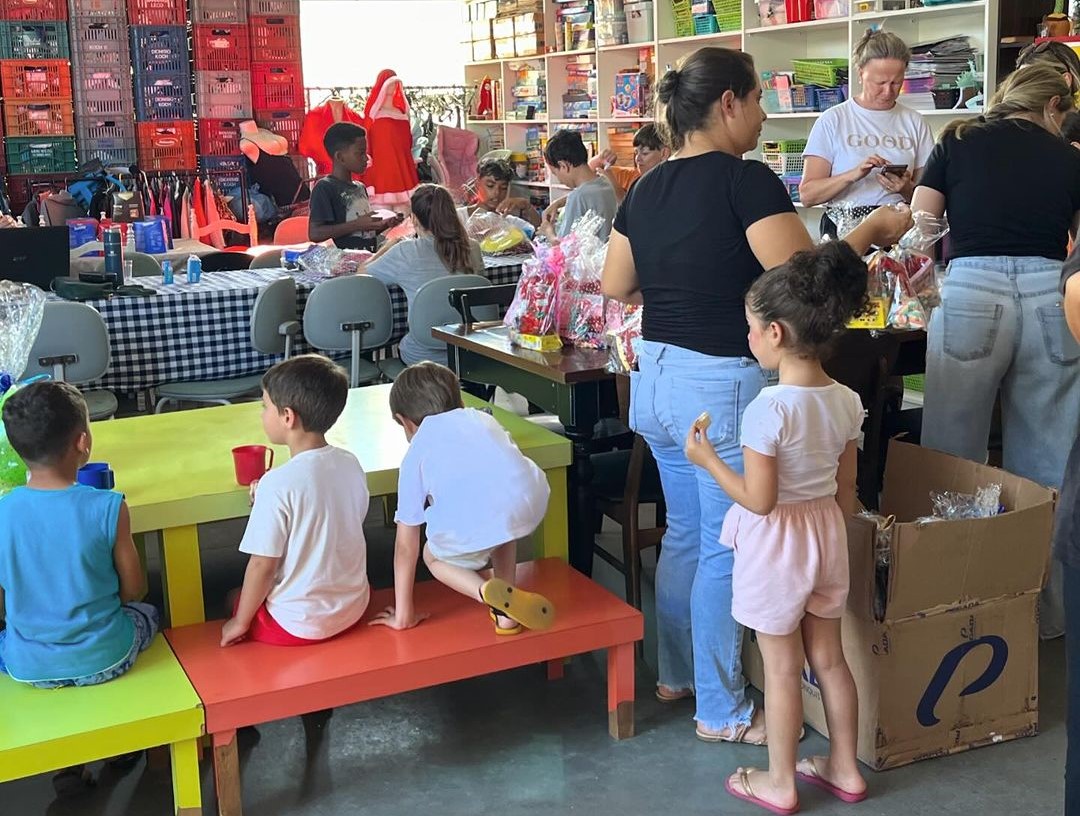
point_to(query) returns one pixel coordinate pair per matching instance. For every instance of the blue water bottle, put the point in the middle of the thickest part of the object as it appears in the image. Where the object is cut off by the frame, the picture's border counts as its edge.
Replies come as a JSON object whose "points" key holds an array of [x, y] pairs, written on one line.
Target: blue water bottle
{"points": [[114, 254], [194, 269], [166, 271]]}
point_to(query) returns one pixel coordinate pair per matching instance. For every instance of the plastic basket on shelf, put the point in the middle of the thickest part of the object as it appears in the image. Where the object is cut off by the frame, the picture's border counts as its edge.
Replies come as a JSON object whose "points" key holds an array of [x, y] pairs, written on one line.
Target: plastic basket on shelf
{"points": [[162, 97], [39, 118], [96, 42], [34, 40], [825, 72], [783, 146], [99, 8], [223, 94], [166, 145], [274, 8], [683, 17], [783, 164], [803, 98], [706, 24], [221, 48], [157, 12], [103, 91], [159, 49], [219, 137], [35, 79], [286, 123], [772, 12], [40, 155], [275, 39], [791, 184], [728, 14], [33, 9], [277, 86], [826, 98], [110, 152], [218, 11]]}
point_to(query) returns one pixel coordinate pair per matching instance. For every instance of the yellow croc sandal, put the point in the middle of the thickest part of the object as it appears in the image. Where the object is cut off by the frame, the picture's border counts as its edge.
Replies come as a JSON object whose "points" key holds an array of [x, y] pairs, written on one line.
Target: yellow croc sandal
{"points": [[499, 630], [531, 610]]}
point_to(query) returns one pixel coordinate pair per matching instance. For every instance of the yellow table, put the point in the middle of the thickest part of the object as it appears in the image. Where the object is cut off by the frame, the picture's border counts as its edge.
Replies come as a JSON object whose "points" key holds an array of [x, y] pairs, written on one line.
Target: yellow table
{"points": [[176, 471]]}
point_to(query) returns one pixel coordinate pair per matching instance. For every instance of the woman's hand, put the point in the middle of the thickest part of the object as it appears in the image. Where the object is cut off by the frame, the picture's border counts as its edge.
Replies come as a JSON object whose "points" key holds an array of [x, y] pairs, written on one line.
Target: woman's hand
{"points": [[863, 170], [887, 224], [903, 185]]}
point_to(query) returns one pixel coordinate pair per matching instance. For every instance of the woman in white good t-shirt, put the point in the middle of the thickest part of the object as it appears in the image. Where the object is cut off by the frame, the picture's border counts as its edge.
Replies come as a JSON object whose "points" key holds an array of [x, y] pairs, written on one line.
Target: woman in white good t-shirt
{"points": [[851, 142]]}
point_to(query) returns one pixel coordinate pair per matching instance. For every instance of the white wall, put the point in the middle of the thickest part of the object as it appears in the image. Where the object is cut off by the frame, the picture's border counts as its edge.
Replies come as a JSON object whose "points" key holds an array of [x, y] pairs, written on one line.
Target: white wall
{"points": [[347, 42]]}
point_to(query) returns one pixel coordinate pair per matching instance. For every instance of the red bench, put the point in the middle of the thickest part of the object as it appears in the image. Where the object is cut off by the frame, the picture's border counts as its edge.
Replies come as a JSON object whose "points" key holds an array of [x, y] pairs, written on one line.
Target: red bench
{"points": [[253, 683]]}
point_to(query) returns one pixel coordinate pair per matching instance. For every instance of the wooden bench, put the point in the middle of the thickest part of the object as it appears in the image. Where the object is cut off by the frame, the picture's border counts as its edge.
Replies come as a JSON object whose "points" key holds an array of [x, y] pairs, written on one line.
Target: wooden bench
{"points": [[253, 683], [152, 705]]}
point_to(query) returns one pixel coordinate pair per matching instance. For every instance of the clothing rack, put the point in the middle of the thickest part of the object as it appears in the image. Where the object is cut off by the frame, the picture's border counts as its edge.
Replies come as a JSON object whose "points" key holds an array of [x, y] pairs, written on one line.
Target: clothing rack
{"points": [[434, 104]]}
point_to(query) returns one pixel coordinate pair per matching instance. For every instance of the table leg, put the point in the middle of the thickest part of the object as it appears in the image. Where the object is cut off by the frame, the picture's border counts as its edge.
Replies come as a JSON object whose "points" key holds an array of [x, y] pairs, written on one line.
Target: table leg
{"points": [[552, 538], [555, 668], [620, 669], [227, 774], [187, 791], [582, 535], [181, 578]]}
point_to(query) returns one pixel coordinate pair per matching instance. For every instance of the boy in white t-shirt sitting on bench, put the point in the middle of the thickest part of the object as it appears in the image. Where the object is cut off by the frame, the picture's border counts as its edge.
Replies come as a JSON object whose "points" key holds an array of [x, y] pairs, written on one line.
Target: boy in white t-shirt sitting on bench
{"points": [[466, 480]]}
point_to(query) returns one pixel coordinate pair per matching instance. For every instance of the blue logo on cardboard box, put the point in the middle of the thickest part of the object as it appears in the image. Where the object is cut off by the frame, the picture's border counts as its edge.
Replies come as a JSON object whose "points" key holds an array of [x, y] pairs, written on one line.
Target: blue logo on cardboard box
{"points": [[947, 668]]}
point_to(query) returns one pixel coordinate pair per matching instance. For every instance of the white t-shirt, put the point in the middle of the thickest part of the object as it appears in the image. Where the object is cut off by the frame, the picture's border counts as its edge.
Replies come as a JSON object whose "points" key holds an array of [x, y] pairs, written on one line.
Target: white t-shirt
{"points": [[310, 513], [466, 479], [847, 134], [806, 429]]}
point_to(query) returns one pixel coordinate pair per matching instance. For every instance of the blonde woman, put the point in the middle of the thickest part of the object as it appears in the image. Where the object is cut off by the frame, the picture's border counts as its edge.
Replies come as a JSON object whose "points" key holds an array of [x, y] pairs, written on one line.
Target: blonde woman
{"points": [[852, 144], [1011, 187]]}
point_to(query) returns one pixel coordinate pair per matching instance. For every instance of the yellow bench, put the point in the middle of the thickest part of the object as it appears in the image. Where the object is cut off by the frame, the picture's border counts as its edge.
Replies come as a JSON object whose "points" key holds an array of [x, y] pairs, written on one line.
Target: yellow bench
{"points": [[153, 704]]}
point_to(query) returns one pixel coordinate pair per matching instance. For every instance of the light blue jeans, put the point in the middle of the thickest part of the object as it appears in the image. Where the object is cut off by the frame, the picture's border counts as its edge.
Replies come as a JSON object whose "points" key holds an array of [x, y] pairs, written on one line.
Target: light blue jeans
{"points": [[1001, 327], [699, 642]]}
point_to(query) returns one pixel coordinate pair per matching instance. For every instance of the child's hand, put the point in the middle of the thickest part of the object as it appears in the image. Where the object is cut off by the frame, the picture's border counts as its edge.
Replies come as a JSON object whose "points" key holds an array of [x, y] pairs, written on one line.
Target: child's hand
{"points": [[233, 632], [251, 491], [392, 618], [699, 449]]}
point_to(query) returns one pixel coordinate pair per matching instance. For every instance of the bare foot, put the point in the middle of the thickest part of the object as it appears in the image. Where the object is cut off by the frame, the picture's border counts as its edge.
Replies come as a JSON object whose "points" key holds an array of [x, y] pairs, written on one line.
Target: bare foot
{"points": [[668, 694], [754, 734], [848, 781], [504, 622], [758, 785]]}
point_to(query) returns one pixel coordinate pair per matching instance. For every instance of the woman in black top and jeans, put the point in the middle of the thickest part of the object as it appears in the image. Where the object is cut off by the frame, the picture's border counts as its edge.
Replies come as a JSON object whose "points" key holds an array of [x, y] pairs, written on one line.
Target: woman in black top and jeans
{"points": [[689, 239]]}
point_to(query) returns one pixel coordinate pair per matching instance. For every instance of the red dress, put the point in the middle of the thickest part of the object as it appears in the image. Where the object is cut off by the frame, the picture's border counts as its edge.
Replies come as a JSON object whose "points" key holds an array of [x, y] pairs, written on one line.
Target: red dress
{"points": [[392, 172], [316, 123]]}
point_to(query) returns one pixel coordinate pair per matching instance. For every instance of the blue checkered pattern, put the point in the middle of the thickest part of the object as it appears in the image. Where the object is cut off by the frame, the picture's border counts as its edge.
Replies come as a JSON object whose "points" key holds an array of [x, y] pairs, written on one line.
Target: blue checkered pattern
{"points": [[203, 331]]}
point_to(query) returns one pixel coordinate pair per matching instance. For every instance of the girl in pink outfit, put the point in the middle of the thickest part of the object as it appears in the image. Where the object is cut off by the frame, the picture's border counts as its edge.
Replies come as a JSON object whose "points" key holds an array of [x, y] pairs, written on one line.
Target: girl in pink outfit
{"points": [[790, 581]]}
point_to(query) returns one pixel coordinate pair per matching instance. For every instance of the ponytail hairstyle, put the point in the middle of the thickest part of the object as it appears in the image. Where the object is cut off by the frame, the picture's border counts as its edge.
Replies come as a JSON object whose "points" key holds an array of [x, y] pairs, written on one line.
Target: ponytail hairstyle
{"points": [[813, 296], [435, 210], [1026, 91], [877, 44], [688, 92]]}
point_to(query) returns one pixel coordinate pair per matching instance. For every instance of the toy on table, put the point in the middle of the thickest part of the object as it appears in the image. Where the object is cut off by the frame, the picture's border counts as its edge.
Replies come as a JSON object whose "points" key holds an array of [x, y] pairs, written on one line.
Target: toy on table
{"points": [[21, 309]]}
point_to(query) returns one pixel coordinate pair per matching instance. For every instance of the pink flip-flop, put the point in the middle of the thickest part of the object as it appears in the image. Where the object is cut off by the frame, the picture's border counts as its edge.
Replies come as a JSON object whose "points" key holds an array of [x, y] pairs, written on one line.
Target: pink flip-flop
{"points": [[818, 781], [747, 794]]}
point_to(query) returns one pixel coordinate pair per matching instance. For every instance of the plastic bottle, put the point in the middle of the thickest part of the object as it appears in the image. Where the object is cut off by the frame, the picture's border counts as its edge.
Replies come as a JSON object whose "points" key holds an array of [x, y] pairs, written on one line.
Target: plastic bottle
{"points": [[194, 269], [103, 224], [41, 222], [166, 271]]}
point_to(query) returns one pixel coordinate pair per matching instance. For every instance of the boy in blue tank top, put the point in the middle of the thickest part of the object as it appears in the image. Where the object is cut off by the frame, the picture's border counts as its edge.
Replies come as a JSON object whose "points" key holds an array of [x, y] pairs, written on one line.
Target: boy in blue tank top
{"points": [[69, 572]]}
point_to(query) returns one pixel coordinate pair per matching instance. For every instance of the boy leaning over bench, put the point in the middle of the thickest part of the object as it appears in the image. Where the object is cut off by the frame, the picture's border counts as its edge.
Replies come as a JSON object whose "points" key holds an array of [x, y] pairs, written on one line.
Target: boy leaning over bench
{"points": [[466, 480]]}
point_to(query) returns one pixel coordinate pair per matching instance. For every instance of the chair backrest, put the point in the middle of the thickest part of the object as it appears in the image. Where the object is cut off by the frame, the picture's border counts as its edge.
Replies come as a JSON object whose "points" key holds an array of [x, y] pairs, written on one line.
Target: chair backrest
{"points": [[143, 265], [275, 305], [213, 231], [72, 344], [353, 300], [431, 305], [267, 260], [225, 261], [292, 230], [466, 300]]}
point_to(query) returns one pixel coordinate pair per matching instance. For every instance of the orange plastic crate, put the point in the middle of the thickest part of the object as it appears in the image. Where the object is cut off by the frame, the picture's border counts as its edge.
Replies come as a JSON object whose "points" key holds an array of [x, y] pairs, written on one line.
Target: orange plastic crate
{"points": [[39, 118], [166, 145], [157, 12], [35, 79]]}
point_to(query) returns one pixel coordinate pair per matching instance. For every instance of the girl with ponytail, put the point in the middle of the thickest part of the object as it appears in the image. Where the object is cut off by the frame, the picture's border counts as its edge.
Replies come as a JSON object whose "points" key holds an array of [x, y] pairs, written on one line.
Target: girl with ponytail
{"points": [[441, 247]]}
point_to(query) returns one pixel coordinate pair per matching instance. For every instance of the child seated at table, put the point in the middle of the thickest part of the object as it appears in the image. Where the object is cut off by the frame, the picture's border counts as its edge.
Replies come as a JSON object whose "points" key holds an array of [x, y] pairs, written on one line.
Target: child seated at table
{"points": [[568, 162], [70, 576], [306, 580], [466, 480], [493, 179]]}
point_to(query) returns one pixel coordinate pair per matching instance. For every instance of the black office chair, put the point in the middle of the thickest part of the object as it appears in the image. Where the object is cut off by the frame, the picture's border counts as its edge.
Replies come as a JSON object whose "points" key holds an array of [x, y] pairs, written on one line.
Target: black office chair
{"points": [[466, 299], [226, 261]]}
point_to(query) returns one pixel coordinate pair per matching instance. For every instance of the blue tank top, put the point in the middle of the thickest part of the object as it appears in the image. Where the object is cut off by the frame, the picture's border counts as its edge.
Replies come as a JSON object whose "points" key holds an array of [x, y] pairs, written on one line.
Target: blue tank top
{"points": [[64, 619]]}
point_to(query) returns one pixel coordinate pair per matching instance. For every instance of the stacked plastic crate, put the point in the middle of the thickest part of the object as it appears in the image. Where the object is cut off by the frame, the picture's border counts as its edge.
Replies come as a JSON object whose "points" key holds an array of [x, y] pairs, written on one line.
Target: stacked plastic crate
{"points": [[278, 89], [35, 78], [101, 68], [165, 127], [222, 51]]}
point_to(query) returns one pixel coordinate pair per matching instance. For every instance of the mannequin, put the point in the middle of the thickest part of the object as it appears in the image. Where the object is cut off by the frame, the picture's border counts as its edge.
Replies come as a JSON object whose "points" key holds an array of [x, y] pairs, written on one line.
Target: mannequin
{"points": [[269, 166], [316, 123], [392, 171]]}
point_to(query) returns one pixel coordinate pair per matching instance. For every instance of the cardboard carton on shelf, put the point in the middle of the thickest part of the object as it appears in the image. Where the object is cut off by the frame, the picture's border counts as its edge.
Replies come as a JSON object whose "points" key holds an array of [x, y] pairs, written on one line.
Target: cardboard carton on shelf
{"points": [[483, 50], [527, 45], [502, 28], [504, 48], [943, 642]]}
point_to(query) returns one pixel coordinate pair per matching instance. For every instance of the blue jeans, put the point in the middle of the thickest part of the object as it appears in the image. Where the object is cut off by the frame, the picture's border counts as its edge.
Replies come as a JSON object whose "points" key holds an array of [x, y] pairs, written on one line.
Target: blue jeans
{"points": [[1072, 698], [146, 621], [699, 642], [1001, 327]]}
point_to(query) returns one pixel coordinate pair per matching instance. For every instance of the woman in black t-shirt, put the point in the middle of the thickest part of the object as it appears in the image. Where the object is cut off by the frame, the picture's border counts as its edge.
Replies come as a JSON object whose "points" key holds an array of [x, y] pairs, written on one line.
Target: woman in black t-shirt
{"points": [[689, 239], [1011, 187]]}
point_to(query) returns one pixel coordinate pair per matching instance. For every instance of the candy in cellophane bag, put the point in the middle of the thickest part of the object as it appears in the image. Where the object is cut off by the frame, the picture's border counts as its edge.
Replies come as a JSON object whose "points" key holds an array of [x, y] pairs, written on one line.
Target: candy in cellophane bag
{"points": [[330, 262], [531, 316], [881, 269], [623, 336], [581, 313], [497, 234]]}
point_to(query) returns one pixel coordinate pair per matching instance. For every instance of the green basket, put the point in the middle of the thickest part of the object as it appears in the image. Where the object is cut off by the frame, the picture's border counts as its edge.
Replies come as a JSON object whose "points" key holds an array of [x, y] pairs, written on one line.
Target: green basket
{"points": [[825, 72], [728, 14], [684, 18], [783, 146], [915, 382]]}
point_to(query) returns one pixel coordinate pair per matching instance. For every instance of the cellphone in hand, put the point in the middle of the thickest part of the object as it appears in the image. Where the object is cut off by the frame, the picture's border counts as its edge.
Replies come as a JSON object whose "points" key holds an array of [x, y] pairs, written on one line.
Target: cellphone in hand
{"points": [[894, 169]]}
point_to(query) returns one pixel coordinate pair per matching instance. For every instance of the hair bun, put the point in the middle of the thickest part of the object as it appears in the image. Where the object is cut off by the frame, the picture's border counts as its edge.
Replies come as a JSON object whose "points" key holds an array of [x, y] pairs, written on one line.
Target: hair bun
{"points": [[668, 86]]}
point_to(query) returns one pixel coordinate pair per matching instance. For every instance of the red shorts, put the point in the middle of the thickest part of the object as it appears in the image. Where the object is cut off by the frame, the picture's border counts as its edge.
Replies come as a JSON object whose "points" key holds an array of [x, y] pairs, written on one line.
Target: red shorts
{"points": [[265, 629]]}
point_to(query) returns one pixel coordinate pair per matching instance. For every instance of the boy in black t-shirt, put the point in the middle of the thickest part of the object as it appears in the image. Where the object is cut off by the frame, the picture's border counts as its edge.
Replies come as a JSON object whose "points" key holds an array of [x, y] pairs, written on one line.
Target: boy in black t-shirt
{"points": [[339, 206]]}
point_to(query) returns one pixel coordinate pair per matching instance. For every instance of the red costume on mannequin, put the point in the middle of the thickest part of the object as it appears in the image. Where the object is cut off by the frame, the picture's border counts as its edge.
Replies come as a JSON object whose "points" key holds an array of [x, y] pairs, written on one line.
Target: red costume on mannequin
{"points": [[392, 173], [316, 123]]}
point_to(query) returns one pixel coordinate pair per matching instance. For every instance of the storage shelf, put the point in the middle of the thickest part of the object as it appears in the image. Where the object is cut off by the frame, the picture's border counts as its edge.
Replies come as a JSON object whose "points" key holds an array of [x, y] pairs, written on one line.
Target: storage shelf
{"points": [[627, 47], [947, 10], [486, 122], [576, 53], [701, 39], [628, 120], [541, 184], [951, 112], [800, 115], [836, 22], [539, 120], [574, 121]]}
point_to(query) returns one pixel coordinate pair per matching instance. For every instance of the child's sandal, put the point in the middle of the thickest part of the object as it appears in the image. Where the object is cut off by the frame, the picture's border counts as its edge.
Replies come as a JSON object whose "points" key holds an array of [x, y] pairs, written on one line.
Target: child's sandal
{"points": [[530, 609], [499, 630]]}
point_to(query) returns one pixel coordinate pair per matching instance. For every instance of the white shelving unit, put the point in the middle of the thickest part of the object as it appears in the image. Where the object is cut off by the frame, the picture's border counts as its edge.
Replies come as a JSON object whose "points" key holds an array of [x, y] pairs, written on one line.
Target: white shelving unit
{"points": [[773, 47]]}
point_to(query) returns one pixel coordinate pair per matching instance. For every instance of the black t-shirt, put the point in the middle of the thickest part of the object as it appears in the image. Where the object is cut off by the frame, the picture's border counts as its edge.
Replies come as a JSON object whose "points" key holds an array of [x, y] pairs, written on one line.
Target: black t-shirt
{"points": [[334, 201], [1011, 189], [686, 220]]}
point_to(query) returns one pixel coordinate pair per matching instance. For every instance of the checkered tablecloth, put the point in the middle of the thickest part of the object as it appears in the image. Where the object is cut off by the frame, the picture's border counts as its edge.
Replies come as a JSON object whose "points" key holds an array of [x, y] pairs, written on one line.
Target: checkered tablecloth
{"points": [[203, 331]]}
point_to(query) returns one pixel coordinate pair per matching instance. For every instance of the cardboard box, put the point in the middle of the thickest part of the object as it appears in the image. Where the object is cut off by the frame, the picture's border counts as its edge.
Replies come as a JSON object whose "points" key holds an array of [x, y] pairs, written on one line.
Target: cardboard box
{"points": [[480, 30], [944, 644], [503, 28], [529, 24], [529, 44], [504, 48], [483, 50]]}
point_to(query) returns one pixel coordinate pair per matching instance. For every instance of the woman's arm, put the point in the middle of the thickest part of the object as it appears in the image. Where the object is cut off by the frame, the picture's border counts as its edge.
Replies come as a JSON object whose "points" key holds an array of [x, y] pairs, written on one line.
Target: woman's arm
{"points": [[620, 280], [776, 238], [756, 489], [928, 200], [820, 186]]}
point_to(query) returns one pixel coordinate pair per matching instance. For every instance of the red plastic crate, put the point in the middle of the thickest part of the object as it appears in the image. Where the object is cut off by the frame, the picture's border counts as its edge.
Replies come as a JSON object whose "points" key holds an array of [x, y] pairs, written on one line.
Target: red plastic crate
{"points": [[287, 123], [157, 12], [166, 145], [221, 48], [275, 39], [39, 118], [277, 86], [98, 8], [219, 137], [34, 9], [35, 79]]}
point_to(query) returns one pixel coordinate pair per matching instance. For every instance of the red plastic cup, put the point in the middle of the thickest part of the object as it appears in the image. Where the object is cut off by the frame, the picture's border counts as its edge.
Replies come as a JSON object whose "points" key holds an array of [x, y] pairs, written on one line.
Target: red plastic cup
{"points": [[251, 463]]}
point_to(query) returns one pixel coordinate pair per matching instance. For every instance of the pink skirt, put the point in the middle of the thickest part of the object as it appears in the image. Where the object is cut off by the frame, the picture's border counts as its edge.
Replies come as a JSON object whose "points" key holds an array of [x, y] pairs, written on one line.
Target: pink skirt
{"points": [[788, 563]]}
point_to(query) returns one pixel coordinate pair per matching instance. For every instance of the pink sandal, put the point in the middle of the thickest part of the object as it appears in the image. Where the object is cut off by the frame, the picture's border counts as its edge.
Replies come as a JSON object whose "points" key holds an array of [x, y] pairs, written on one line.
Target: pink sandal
{"points": [[815, 778], [747, 794]]}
